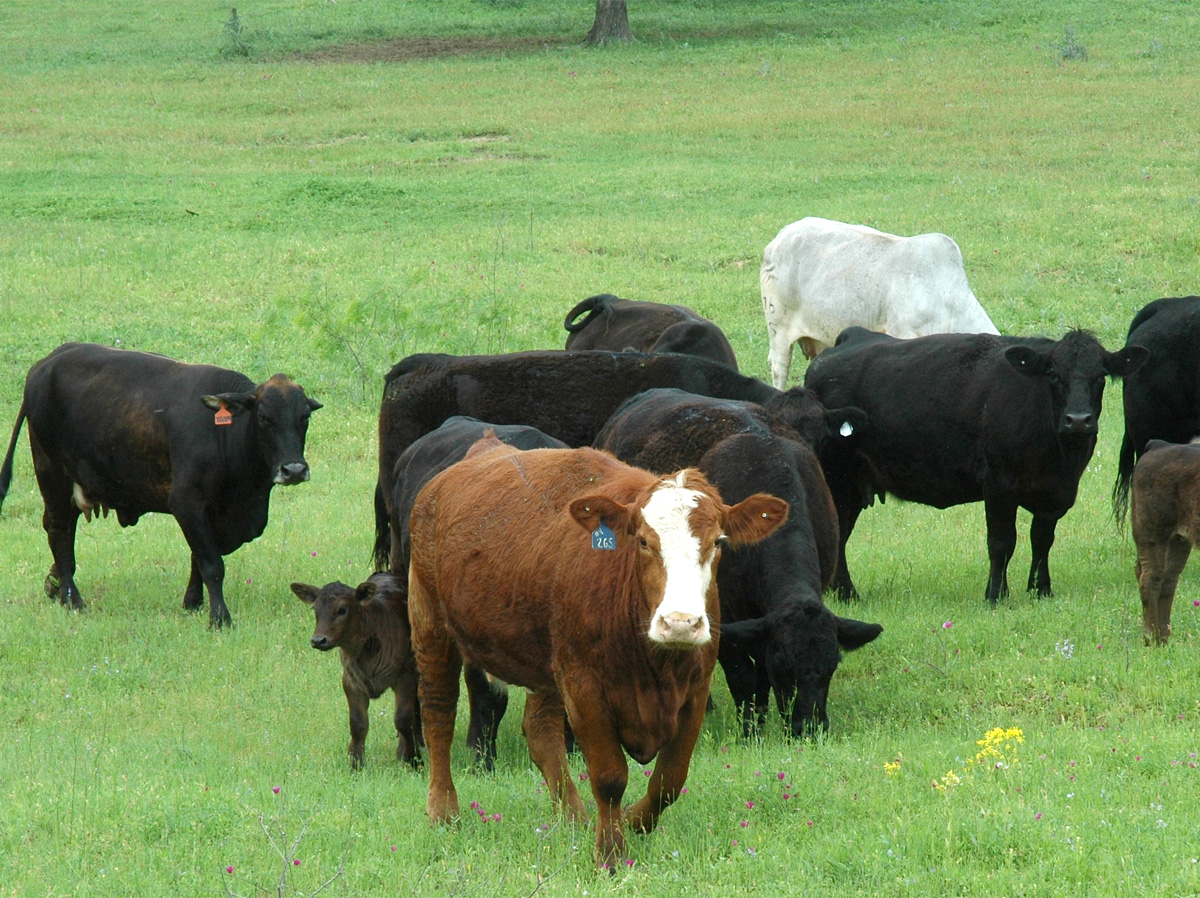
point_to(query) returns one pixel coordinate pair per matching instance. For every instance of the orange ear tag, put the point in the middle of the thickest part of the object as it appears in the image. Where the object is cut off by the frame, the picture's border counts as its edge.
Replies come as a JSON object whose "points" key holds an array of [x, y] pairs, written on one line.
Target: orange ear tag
{"points": [[223, 416]]}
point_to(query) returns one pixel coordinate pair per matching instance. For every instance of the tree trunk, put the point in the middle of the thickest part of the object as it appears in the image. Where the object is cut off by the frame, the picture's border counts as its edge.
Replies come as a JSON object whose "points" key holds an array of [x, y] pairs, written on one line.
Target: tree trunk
{"points": [[612, 23]]}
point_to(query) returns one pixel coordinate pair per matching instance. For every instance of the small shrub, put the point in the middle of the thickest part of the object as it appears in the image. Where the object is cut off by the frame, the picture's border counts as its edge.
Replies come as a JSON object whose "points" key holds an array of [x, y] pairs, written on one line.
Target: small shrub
{"points": [[1070, 47], [235, 41]]}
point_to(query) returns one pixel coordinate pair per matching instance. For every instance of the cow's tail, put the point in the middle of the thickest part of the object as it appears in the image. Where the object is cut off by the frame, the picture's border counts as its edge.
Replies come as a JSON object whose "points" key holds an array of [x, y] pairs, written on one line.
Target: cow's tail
{"points": [[593, 305], [1120, 496], [7, 469], [383, 533]]}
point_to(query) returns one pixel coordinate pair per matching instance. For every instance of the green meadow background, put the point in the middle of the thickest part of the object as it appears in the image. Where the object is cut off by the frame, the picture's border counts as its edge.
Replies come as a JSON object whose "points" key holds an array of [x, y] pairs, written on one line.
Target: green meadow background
{"points": [[322, 188]]}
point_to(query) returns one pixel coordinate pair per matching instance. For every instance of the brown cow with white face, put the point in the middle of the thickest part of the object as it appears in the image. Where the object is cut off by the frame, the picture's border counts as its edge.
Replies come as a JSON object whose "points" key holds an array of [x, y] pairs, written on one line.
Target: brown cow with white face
{"points": [[593, 585]]}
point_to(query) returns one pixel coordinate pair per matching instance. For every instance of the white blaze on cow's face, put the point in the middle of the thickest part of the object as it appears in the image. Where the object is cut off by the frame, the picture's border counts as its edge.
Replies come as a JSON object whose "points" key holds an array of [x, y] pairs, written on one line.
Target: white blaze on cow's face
{"points": [[681, 618]]}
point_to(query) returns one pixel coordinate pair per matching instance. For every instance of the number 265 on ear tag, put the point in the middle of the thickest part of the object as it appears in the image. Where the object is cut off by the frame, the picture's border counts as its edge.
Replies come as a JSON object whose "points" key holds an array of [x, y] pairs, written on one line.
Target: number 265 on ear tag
{"points": [[604, 538], [223, 417]]}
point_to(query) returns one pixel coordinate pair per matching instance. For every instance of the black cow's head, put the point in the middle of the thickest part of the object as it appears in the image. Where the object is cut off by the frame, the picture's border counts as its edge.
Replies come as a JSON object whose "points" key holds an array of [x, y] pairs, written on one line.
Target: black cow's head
{"points": [[1075, 368], [801, 410], [280, 411], [800, 646]]}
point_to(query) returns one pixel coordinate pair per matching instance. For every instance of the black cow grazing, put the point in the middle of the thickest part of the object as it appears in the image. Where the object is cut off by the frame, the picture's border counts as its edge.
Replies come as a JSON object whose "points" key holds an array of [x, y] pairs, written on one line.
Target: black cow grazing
{"points": [[776, 633], [417, 465], [136, 432], [1166, 524], [617, 324], [567, 395], [1162, 398], [369, 625], [957, 418]]}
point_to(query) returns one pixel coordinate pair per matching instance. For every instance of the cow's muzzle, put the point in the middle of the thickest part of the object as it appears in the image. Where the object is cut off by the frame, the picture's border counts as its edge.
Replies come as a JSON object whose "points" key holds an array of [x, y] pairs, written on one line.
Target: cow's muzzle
{"points": [[1082, 423], [680, 629], [295, 472], [322, 643]]}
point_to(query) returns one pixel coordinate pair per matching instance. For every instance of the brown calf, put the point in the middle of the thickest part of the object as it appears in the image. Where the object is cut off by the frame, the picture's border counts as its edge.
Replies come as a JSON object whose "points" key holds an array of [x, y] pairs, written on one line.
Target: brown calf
{"points": [[593, 585], [1165, 514], [370, 626]]}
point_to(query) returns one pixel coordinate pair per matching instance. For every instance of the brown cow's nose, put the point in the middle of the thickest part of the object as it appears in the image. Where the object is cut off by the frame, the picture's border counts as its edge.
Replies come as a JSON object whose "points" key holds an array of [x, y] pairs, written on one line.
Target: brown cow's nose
{"points": [[320, 642]]}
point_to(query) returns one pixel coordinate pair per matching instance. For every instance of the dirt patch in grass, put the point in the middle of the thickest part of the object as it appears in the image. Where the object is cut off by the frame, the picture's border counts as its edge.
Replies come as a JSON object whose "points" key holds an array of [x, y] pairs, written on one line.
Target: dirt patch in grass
{"points": [[402, 49]]}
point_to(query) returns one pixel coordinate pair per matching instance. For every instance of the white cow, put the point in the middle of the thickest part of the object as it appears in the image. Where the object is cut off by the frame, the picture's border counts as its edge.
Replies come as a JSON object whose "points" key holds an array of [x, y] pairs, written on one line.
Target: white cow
{"points": [[820, 276]]}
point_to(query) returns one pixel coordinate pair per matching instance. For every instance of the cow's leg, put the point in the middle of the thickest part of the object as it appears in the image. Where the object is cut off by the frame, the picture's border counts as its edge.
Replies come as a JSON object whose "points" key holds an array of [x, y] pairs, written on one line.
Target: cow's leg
{"points": [[1041, 538], [1178, 550], [848, 510], [671, 767], [60, 581], [487, 703], [360, 721], [193, 596], [1158, 568], [406, 718], [543, 728], [1002, 541], [1151, 562], [191, 514], [779, 356], [741, 678], [439, 665], [608, 775], [59, 517]]}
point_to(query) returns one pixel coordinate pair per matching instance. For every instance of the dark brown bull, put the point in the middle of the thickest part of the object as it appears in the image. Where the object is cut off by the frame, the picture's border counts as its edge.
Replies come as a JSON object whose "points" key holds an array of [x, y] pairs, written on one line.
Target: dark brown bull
{"points": [[369, 625], [136, 432]]}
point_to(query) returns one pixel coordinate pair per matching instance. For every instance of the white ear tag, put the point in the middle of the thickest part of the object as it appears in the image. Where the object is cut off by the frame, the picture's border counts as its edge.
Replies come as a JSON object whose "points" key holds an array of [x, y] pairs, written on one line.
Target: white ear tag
{"points": [[845, 430]]}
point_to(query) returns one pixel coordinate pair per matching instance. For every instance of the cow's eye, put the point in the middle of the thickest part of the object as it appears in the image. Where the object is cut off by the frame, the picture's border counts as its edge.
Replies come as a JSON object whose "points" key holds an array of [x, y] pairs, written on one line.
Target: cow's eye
{"points": [[342, 612], [643, 543]]}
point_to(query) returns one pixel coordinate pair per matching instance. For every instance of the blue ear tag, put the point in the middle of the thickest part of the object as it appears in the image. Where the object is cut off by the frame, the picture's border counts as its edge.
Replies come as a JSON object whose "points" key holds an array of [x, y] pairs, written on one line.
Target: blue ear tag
{"points": [[604, 538]]}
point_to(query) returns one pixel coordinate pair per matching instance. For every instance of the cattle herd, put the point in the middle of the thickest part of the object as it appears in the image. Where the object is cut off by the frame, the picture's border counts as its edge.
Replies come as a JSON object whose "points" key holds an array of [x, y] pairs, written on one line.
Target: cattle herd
{"points": [[602, 525]]}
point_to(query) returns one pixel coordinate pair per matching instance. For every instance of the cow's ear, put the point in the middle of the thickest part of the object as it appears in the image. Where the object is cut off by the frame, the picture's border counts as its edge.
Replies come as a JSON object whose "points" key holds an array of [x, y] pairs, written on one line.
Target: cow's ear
{"points": [[1125, 361], [313, 405], [854, 634], [745, 634], [1027, 360], [305, 593], [365, 592], [754, 519], [845, 424], [235, 402], [589, 511]]}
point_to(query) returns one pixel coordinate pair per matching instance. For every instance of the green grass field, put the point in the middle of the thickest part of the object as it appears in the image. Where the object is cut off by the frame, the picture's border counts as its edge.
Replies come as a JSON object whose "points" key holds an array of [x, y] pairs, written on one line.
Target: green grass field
{"points": [[323, 188]]}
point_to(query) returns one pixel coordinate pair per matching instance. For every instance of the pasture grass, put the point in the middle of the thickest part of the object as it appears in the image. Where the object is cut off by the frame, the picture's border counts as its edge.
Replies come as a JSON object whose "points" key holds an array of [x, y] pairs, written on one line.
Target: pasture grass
{"points": [[336, 186]]}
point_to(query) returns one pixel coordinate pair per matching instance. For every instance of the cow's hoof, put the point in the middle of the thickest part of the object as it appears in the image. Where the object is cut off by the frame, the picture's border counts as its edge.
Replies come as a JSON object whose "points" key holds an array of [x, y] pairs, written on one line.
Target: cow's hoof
{"points": [[52, 586]]}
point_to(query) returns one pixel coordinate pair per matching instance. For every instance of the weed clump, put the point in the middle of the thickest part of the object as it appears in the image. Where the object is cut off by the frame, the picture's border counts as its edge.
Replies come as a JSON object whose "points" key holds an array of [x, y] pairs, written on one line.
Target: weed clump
{"points": [[235, 40], [1070, 47]]}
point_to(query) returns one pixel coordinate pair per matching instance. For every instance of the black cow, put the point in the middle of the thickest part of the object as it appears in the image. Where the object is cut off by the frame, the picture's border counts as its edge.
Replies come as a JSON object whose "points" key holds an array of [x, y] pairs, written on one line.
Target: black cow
{"points": [[776, 633], [616, 324], [137, 432], [957, 418], [567, 395], [1162, 398], [417, 465]]}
